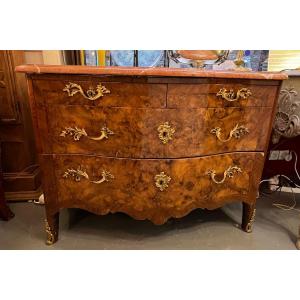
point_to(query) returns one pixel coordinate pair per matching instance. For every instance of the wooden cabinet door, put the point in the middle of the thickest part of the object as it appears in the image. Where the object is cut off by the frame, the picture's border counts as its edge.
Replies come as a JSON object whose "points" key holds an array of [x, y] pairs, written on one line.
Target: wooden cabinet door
{"points": [[9, 112], [20, 172]]}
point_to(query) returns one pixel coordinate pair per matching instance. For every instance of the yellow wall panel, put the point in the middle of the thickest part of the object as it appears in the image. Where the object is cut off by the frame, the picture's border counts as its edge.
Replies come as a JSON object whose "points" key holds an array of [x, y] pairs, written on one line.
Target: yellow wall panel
{"points": [[283, 59], [52, 57]]}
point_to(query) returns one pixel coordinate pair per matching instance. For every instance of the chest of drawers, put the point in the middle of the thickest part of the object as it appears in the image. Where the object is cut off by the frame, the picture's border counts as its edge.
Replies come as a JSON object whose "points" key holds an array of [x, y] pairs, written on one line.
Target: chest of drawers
{"points": [[152, 143]]}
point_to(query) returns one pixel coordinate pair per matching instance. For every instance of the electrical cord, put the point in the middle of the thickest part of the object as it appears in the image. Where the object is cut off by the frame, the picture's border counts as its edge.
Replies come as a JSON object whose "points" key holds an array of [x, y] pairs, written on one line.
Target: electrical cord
{"points": [[295, 165], [288, 207], [289, 179], [280, 185], [272, 192], [280, 205]]}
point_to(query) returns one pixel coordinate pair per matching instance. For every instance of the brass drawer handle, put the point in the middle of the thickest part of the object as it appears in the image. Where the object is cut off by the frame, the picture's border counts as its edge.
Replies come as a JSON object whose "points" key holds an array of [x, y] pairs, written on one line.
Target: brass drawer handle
{"points": [[78, 174], [162, 181], [77, 133], [165, 132], [91, 94], [231, 96], [237, 132], [227, 173]]}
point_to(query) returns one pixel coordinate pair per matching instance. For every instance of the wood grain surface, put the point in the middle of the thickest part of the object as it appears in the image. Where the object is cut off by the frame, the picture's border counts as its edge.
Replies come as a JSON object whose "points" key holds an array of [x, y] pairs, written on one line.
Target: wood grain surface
{"points": [[121, 94], [136, 131], [205, 95], [133, 190]]}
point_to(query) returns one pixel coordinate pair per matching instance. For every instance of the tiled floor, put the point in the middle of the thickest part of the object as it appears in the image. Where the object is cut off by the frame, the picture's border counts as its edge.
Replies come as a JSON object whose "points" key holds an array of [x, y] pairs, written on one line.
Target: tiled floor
{"points": [[202, 229]]}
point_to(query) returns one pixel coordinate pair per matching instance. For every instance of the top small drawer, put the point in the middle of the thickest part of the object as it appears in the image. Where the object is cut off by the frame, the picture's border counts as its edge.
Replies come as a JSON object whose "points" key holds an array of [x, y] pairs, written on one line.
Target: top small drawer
{"points": [[220, 95], [97, 92]]}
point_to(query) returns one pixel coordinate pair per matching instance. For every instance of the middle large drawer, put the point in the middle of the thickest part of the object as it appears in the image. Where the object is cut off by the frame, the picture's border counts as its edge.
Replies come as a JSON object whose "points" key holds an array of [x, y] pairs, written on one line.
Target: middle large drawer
{"points": [[155, 133]]}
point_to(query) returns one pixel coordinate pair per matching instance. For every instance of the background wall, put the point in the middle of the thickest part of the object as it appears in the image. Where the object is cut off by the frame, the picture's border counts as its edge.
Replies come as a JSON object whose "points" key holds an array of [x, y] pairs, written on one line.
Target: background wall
{"points": [[49, 57], [283, 59]]}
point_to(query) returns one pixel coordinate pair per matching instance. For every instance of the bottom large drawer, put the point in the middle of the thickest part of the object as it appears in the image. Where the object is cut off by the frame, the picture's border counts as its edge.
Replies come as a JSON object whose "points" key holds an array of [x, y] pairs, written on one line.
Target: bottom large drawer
{"points": [[155, 189]]}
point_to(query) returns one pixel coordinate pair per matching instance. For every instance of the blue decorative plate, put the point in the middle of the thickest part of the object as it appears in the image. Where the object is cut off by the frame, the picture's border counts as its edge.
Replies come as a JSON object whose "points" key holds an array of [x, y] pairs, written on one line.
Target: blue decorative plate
{"points": [[149, 58], [123, 58], [146, 58]]}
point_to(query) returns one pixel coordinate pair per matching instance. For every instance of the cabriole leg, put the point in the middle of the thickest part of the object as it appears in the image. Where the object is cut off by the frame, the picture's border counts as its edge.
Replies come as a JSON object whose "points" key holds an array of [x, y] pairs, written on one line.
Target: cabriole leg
{"points": [[249, 211], [52, 227]]}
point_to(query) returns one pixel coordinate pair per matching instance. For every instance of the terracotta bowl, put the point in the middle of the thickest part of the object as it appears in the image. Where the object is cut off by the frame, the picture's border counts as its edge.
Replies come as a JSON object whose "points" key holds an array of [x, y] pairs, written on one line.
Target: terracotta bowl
{"points": [[199, 58], [199, 54]]}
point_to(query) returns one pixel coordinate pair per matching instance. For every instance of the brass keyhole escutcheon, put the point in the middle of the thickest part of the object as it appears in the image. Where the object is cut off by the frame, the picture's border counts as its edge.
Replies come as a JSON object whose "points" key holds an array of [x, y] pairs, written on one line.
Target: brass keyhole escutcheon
{"points": [[165, 132], [162, 181]]}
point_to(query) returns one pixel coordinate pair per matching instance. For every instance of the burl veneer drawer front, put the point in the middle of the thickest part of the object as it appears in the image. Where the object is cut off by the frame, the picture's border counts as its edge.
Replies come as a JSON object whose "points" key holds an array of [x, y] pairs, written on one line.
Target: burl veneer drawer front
{"points": [[232, 129], [97, 92], [154, 189], [119, 132], [154, 133], [220, 95]]}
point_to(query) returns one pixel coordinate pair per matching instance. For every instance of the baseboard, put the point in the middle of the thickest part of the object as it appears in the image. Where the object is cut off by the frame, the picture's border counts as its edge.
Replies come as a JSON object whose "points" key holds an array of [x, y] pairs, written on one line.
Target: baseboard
{"points": [[22, 186], [23, 195]]}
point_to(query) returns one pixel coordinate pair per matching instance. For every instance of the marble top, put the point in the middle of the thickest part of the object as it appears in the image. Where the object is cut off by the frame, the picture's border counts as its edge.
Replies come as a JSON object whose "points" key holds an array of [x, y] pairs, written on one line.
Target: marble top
{"points": [[138, 71]]}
